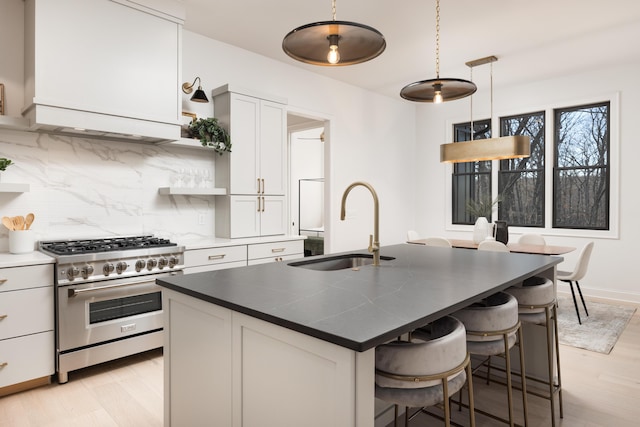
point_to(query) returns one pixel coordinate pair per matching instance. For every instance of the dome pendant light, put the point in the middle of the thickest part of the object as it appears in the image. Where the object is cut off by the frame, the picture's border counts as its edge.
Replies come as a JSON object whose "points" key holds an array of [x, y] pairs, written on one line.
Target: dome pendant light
{"points": [[334, 43], [438, 90]]}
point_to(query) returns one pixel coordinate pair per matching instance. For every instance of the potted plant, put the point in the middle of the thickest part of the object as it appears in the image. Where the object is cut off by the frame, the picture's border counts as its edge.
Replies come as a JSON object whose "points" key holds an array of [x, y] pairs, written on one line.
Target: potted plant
{"points": [[211, 134], [4, 163]]}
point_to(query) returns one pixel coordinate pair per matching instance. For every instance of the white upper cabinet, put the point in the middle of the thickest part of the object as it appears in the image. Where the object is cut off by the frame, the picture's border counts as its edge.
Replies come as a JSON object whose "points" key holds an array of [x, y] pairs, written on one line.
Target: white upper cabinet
{"points": [[257, 126], [104, 68]]}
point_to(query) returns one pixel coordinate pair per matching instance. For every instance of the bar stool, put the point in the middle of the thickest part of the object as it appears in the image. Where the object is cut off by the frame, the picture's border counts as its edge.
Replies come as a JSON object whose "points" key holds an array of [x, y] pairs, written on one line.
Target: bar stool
{"points": [[493, 328], [537, 305], [426, 370]]}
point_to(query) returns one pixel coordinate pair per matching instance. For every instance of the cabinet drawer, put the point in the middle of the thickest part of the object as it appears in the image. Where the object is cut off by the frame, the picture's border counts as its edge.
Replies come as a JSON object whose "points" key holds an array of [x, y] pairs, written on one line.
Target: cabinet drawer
{"points": [[33, 276], [26, 312], [211, 256], [276, 249], [276, 258], [213, 267], [26, 358]]}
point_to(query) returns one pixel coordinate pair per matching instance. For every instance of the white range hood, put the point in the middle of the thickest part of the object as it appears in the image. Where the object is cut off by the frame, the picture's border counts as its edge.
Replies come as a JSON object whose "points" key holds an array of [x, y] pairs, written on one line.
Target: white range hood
{"points": [[106, 69]]}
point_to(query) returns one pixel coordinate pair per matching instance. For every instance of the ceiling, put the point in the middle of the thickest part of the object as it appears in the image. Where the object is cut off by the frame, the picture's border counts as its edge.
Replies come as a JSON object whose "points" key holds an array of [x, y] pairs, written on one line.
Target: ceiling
{"points": [[533, 40]]}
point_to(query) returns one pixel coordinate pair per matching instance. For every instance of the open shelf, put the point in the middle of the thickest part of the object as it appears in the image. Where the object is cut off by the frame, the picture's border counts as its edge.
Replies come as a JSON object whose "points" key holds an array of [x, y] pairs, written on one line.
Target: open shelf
{"points": [[9, 187], [167, 191]]}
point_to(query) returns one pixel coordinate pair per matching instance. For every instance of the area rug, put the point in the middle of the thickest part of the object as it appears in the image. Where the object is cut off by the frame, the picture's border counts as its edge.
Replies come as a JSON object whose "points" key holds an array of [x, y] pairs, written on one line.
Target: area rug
{"points": [[599, 332]]}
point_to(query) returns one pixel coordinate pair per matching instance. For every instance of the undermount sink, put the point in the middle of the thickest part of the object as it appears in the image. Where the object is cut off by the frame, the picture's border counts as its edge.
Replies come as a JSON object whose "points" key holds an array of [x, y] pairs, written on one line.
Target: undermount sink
{"points": [[338, 262]]}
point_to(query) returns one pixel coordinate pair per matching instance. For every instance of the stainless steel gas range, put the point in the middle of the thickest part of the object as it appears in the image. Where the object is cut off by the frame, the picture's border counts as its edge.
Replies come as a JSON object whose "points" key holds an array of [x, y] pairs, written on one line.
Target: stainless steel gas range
{"points": [[107, 302]]}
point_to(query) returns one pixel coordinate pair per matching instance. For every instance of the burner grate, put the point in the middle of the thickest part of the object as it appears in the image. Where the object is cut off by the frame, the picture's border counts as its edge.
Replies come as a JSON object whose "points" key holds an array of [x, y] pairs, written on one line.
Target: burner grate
{"points": [[73, 247]]}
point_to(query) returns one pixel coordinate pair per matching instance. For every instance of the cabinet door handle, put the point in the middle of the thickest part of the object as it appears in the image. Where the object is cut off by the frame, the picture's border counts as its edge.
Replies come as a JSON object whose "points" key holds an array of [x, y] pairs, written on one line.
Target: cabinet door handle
{"points": [[262, 203], [214, 257], [276, 250], [3, 364], [262, 185], [258, 203], [3, 281], [3, 316], [258, 179]]}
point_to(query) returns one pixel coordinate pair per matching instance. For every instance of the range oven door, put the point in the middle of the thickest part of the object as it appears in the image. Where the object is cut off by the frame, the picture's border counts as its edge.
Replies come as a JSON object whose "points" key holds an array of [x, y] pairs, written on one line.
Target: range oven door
{"points": [[108, 310]]}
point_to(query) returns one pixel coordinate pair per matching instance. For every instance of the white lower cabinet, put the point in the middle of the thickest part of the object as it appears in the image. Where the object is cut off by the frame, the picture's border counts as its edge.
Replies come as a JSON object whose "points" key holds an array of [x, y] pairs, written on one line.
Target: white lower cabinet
{"points": [[27, 349], [216, 258], [250, 216], [224, 368], [263, 253]]}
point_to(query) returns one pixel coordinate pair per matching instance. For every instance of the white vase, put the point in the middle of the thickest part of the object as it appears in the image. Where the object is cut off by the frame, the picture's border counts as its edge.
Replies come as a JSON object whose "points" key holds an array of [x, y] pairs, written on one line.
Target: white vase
{"points": [[480, 230]]}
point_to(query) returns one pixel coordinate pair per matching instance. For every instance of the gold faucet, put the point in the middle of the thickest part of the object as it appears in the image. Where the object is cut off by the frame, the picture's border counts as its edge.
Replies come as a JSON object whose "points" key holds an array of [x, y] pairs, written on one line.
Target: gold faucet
{"points": [[374, 242]]}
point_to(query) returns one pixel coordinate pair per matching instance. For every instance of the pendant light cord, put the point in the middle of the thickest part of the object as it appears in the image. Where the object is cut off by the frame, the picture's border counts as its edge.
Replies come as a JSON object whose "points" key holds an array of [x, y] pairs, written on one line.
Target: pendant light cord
{"points": [[437, 39], [333, 9], [471, 104]]}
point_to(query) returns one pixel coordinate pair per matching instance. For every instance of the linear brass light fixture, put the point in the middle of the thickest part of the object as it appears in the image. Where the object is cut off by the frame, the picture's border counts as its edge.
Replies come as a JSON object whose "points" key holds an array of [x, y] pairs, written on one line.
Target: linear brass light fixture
{"points": [[198, 95], [506, 147], [438, 90], [334, 43]]}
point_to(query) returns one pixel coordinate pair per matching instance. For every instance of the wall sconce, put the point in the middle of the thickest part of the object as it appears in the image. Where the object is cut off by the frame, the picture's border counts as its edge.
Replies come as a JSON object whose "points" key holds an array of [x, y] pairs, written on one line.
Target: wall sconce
{"points": [[198, 95]]}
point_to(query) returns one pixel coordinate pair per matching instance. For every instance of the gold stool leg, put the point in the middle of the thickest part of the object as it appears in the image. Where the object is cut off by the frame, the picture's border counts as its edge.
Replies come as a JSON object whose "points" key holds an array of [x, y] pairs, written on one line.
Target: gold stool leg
{"points": [[555, 326], [472, 414], [523, 376], [507, 358]]}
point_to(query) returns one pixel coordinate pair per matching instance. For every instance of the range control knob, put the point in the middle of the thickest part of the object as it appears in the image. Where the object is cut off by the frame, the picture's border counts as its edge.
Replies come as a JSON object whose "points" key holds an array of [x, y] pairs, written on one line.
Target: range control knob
{"points": [[107, 269], [86, 271], [151, 263], [121, 267], [162, 263], [173, 261], [72, 273], [140, 264]]}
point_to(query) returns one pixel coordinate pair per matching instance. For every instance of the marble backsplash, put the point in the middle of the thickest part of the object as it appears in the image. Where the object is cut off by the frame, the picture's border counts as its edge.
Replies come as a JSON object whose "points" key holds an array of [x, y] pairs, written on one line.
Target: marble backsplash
{"points": [[82, 187]]}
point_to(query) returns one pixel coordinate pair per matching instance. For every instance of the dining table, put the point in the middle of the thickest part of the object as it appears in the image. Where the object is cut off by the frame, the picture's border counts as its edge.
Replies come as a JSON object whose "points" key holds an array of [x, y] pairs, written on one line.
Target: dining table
{"points": [[513, 247]]}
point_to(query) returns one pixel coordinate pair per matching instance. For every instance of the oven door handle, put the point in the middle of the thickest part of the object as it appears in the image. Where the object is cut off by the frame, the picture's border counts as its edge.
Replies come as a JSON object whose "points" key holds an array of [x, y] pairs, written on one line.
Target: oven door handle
{"points": [[74, 292]]}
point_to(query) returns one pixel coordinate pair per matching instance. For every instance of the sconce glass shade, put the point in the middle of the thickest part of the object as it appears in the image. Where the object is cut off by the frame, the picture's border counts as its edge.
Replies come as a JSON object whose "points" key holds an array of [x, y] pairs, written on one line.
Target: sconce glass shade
{"points": [[427, 90], [356, 43], [506, 147]]}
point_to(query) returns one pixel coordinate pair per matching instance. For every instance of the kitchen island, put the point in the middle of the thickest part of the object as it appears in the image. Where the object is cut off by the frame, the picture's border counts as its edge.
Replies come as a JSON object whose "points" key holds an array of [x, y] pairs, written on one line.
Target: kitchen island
{"points": [[278, 345]]}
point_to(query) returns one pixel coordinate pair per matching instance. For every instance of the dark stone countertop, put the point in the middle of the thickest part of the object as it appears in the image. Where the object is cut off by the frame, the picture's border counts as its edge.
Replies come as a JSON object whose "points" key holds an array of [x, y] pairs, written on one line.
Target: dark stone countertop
{"points": [[361, 309]]}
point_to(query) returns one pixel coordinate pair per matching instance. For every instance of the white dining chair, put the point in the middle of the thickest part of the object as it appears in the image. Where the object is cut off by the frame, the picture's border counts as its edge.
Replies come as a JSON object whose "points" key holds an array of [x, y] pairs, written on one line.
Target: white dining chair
{"points": [[577, 274], [493, 245], [532, 239], [437, 241]]}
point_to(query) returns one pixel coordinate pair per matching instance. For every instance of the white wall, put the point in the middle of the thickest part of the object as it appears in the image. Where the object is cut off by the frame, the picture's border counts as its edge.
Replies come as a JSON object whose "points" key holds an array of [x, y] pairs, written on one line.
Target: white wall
{"points": [[612, 271], [83, 187]]}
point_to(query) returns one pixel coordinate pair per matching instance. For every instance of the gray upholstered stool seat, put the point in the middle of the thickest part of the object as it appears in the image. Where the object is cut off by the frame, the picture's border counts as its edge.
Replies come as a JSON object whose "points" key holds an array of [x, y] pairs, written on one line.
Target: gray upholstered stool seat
{"points": [[537, 305], [426, 370], [493, 328]]}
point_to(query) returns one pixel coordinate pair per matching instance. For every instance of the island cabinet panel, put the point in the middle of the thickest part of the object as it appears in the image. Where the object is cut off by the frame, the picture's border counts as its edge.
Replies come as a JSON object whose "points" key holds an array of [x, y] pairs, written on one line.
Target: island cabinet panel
{"points": [[225, 368], [197, 357]]}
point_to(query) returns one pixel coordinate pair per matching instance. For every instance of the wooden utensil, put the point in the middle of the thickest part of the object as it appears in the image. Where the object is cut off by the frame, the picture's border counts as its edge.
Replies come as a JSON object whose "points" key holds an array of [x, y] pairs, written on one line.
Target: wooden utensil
{"points": [[29, 220], [18, 222], [7, 222]]}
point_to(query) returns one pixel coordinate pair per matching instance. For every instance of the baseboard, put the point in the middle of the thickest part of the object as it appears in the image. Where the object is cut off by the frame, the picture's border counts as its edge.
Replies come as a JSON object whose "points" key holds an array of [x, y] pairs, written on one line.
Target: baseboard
{"points": [[611, 296]]}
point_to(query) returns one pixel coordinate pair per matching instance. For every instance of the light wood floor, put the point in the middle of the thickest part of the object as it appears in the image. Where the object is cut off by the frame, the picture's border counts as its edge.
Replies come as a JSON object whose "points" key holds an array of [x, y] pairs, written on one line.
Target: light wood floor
{"points": [[598, 390]]}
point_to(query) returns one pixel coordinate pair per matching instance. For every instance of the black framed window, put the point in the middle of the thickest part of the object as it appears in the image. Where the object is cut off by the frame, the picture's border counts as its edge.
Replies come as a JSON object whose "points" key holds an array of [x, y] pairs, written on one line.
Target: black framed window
{"points": [[471, 181], [521, 181], [581, 183]]}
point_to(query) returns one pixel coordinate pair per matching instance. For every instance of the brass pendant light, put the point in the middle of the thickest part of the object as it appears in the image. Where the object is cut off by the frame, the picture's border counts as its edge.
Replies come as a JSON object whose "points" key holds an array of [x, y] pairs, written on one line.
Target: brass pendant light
{"points": [[438, 90], [506, 147], [334, 43]]}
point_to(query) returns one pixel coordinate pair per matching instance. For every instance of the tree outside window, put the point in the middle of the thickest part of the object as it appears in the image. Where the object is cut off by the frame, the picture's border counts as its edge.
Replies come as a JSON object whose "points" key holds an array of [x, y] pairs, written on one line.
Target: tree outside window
{"points": [[471, 180], [521, 181], [581, 186]]}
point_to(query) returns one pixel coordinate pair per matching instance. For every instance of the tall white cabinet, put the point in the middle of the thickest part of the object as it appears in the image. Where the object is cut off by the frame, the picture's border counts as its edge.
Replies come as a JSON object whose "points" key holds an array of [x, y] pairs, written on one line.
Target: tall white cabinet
{"points": [[255, 171]]}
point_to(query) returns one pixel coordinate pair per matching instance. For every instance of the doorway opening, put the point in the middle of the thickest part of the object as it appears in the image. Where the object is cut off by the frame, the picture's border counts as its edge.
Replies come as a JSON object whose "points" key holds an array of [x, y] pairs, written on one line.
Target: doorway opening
{"points": [[307, 181]]}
